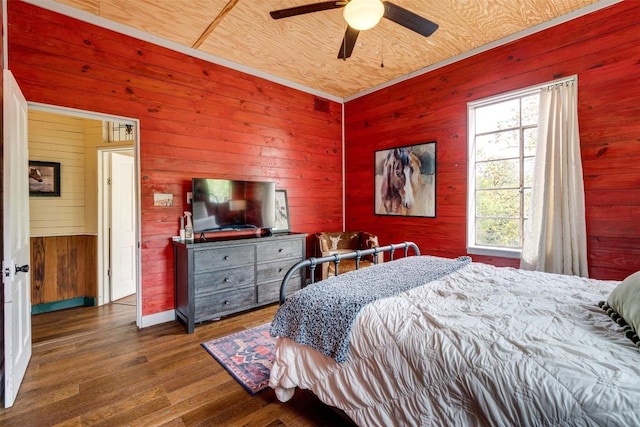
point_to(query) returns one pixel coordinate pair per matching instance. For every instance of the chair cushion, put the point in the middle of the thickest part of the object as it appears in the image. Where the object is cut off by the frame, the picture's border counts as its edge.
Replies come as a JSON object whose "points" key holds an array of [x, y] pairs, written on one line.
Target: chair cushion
{"points": [[333, 241], [368, 240]]}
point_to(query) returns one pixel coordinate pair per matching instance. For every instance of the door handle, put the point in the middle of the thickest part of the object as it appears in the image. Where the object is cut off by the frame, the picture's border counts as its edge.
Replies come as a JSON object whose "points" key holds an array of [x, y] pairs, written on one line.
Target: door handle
{"points": [[23, 268]]}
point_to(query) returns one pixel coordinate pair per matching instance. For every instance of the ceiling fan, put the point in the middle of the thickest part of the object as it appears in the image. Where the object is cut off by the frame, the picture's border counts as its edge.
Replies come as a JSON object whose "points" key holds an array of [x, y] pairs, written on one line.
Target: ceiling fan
{"points": [[362, 15]]}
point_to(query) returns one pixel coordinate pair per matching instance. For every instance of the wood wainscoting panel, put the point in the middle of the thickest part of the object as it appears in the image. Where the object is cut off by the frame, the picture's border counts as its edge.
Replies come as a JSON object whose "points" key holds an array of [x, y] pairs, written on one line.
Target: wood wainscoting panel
{"points": [[62, 268]]}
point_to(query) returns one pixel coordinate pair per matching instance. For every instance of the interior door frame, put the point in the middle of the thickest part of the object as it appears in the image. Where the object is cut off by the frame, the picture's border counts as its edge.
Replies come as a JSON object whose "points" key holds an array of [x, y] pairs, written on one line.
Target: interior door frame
{"points": [[104, 222], [92, 115]]}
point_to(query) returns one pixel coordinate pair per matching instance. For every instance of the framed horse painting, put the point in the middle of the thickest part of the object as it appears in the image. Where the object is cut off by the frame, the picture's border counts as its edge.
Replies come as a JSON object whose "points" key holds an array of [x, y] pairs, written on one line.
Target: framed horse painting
{"points": [[405, 181], [44, 179]]}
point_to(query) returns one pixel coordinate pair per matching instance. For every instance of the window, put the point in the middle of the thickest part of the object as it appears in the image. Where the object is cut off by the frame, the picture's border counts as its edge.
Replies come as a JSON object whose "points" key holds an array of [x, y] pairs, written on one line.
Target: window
{"points": [[115, 132], [502, 145]]}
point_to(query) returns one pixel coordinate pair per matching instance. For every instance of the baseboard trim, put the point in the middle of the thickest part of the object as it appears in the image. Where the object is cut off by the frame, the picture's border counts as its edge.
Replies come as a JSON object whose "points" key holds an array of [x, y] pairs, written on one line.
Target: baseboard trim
{"points": [[150, 320], [61, 305], [157, 318]]}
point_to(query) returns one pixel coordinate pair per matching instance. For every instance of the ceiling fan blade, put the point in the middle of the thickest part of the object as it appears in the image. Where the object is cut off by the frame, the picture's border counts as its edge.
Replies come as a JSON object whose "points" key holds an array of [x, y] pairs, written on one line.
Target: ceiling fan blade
{"points": [[348, 43], [307, 8], [409, 20]]}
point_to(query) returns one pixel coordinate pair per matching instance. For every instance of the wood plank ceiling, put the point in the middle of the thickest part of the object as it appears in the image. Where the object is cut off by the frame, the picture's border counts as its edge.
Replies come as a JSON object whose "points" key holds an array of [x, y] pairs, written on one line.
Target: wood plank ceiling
{"points": [[303, 49]]}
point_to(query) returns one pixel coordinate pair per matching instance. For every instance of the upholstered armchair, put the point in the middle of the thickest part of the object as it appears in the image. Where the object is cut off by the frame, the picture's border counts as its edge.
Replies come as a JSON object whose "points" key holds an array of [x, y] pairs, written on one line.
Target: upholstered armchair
{"points": [[330, 243]]}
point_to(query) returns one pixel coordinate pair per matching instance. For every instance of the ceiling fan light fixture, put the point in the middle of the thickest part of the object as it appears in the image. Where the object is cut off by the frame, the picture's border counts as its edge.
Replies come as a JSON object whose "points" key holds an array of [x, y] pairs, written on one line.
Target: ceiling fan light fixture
{"points": [[363, 14]]}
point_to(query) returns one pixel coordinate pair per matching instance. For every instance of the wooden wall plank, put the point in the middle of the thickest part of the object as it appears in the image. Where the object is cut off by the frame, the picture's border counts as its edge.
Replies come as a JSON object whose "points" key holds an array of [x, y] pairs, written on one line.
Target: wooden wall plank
{"points": [[37, 263], [50, 271]]}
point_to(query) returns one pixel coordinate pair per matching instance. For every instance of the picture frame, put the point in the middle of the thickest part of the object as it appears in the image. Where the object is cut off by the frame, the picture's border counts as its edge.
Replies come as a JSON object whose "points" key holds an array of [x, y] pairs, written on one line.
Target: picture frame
{"points": [[283, 224], [405, 180], [44, 179]]}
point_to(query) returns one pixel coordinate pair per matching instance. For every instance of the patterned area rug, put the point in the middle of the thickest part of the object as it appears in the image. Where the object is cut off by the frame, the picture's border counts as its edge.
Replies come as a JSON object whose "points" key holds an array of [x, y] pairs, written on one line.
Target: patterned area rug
{"points": [[247, 355]]}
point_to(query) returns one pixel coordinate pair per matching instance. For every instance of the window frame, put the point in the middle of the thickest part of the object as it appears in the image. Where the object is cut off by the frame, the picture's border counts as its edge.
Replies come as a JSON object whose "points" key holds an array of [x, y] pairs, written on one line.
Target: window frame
{"points": [[472, 247], [475, 249]]}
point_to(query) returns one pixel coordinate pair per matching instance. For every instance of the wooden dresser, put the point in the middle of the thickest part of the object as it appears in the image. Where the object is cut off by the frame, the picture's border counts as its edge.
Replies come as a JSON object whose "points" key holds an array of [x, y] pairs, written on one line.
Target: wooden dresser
{"points": [[218, 278]]}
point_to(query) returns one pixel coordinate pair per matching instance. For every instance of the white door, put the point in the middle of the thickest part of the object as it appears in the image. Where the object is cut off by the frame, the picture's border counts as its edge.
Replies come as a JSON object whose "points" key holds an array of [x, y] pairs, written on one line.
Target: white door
{"points": [[123, 220], [15, 263]]}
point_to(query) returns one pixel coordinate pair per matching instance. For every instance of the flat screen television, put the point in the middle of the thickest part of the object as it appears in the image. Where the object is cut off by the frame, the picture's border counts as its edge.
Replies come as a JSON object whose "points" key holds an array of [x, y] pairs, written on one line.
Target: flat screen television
{"points": [[223, 204]]}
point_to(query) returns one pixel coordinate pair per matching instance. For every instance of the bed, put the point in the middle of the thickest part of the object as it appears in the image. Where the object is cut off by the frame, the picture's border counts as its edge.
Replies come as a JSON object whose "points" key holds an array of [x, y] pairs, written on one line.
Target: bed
{"points": [[473, 345]]}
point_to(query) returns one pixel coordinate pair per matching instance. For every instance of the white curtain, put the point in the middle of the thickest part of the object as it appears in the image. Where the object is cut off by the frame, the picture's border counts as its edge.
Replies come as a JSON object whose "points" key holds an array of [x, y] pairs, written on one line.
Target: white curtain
{"points": [[555, 236]]}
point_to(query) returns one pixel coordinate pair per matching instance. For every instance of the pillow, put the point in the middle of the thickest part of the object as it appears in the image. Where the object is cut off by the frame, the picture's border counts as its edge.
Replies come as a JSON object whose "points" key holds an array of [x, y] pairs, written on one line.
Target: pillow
{"points": [[623, 305], [625, 300]]}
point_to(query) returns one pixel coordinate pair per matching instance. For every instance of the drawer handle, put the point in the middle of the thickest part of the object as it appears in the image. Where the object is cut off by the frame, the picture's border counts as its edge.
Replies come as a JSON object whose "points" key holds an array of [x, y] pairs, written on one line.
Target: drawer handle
{"points": [[226, 257], [280, 250], [226, 303], [226, 279]]}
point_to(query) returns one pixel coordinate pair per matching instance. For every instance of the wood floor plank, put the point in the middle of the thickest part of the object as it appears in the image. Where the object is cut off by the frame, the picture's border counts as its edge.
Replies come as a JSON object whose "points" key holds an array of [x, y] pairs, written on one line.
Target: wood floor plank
{"points": [[140, 402], [75, 422], [93, 366]]}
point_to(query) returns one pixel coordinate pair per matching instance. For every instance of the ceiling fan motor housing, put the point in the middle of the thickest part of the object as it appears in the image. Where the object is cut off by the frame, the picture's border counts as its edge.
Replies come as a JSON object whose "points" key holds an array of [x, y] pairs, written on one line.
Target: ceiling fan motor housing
{"points": [[363, 14]]}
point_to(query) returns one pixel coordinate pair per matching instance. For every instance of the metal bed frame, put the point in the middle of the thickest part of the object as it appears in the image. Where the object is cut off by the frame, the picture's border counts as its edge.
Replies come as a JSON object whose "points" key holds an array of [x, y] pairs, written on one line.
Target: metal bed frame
{"points": [[313, 262]]}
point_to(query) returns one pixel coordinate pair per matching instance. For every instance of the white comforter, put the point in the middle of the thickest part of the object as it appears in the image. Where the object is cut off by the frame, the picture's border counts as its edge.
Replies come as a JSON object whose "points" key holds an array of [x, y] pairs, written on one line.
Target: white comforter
{"points": [[482, 346]]}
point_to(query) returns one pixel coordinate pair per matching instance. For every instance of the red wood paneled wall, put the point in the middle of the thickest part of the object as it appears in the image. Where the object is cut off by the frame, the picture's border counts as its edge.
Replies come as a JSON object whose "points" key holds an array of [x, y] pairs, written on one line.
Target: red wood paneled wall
{"points": [[602, 48], [196, 119]]}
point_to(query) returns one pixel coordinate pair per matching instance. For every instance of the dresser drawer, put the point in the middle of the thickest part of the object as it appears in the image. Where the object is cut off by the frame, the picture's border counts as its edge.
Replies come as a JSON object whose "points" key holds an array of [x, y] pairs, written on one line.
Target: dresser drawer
{"points": [[269, 251], [275, 270], [229, 278], [270, 291], [224, 257], [217, 304]]}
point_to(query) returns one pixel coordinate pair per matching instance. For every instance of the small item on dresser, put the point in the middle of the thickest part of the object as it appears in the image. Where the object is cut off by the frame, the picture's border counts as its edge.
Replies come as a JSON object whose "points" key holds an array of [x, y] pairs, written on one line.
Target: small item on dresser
{"points": [[182, 229], [188, 229]]}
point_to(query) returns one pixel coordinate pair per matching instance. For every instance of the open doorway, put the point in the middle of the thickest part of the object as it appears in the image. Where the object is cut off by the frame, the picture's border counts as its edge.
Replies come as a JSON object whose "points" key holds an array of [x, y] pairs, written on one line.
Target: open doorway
{"points": [[83, 218], [116, 206]]}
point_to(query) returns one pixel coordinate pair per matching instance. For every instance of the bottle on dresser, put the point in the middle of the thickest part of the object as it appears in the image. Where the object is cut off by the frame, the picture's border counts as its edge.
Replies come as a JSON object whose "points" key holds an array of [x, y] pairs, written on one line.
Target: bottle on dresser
{"points": [[188, 229]]}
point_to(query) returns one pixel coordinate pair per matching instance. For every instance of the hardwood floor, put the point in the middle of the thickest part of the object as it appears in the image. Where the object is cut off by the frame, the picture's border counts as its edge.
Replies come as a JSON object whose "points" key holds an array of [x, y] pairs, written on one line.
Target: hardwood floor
{"points": [[93, 366]]}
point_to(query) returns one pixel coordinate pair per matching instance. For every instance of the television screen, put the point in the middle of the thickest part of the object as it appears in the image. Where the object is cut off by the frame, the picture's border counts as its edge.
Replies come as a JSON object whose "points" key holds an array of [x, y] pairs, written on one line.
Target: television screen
{"points": [[222, 204]]}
